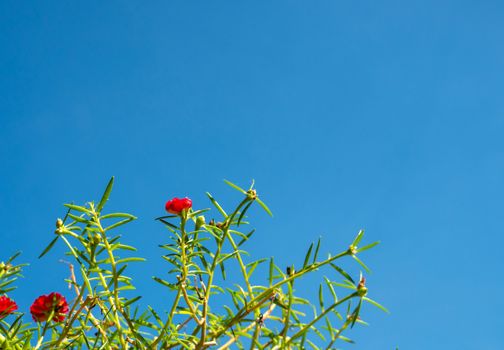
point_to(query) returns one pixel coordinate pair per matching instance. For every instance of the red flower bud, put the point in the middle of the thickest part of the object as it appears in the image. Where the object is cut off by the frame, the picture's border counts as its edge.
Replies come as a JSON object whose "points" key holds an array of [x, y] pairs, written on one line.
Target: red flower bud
{"points": [[177, 205], [362, 282], [7, 306], [361, 287], [45, 304]]}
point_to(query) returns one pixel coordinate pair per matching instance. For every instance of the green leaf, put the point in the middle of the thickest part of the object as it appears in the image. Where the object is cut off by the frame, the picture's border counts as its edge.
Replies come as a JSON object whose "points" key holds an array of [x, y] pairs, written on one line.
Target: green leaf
{"points": [[120, 271], [321, 297], [127, 260], [342, 272], [78, 208], [79, 219], [381, 307], [106, 195], [242, 214], [118, 215], [217, 205], [49, 246], [117, 224], [264, 206], [307, 257], [330, 328], [72, 250], [346, 339], [235, 186], [126, 288], [361, 263], [315, 255], [223, 271], [165, 283], [355, 315], [86, 280], [331, 288], [169, 224], [230, 255], [358, 238], [369, 246], [124, 247], [12, 258], [246, 238], [271, 270], [253, 266], [343, 285]]}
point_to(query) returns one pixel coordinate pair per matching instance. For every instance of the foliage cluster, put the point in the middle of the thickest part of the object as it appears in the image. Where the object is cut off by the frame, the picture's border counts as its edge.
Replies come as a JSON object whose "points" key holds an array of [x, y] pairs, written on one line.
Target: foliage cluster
{"points": [[104, 314]]}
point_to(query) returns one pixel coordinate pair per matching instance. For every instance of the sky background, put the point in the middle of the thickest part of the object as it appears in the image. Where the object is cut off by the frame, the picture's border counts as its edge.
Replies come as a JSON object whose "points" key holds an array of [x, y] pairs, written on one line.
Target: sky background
{"points": [[386, 116]]}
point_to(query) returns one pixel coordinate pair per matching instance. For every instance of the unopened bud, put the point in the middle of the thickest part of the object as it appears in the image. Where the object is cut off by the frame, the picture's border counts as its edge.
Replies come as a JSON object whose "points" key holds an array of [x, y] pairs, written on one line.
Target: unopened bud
{"points": [[361, 287], [59, 223], [290, 270], [352, 250], [96, 238], [200, 221], [252, 194]]}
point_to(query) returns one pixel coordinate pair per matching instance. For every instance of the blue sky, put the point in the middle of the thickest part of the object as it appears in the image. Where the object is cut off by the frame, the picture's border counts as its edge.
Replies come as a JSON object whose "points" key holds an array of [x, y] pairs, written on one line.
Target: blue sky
{"points": [[386, 116]]}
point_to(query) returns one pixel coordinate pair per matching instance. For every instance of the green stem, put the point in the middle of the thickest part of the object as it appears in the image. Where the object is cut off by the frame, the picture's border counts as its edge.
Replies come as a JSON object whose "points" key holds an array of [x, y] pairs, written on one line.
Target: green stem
{"points": [[44, 330], [319, 317], [249, 287], [115, 303], [169, 320], [267, 293], [225, 234], [70, 322], [284, 331], [72, 317], [343, 327], [183, 221], [4, 340]]}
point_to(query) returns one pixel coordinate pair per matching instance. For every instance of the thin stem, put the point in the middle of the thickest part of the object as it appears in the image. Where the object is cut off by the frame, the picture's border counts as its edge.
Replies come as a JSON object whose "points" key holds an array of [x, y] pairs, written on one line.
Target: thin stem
{"points": [[70, 322], [268, 292], [338, 333], [181, 290], [194, 313], [241, 315], [319, 317], [115, 303], [207, 292], [284, 331], [169, 320], [44, 330], [233, 339], [206, 298]]}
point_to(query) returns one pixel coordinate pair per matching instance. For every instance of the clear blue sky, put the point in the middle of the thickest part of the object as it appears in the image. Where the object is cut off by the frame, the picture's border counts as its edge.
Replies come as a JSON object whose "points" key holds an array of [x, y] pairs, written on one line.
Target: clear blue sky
{"points": [[386, 115]]}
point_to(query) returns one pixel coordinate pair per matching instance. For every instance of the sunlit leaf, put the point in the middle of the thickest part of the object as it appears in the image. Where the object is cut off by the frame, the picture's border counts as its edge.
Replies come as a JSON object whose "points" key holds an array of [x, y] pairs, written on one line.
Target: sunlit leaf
{"points": [[106, 195], [361, 263], [369, 246], [358, 238], [381, 307], [264, 206], [217, 205], [235, 186], [307, 256], [49, 246], [342, 272]]}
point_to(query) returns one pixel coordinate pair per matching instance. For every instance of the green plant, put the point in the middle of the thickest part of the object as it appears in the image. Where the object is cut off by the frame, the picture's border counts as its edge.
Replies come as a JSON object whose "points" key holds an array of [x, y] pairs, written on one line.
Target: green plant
{"points": [[205, 312]]}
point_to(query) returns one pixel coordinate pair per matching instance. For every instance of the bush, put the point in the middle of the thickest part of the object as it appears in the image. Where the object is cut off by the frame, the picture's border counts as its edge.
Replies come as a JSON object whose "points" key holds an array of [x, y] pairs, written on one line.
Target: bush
{"points": [[104, 315]]}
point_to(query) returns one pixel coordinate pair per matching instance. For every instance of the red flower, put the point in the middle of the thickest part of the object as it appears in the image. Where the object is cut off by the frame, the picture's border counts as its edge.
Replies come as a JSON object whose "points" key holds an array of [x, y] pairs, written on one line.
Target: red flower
{"points": [[44, 305], [176, 205], [7, 306]]}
